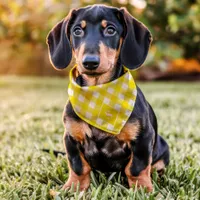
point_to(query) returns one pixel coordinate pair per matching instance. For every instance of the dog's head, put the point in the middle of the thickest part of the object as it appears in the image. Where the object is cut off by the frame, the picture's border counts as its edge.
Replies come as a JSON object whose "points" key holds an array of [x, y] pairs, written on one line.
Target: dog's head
{"points": [[99, 37]]}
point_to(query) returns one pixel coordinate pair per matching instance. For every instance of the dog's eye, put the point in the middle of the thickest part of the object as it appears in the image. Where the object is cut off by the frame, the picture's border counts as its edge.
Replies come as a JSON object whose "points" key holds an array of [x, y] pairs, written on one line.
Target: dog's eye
{"points": [[109, 31], [78, 32]]}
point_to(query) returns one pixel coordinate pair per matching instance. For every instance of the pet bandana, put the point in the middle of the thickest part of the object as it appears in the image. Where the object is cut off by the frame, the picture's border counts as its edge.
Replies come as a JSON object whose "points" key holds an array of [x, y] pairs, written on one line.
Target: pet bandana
{"points": [[106, 106]]}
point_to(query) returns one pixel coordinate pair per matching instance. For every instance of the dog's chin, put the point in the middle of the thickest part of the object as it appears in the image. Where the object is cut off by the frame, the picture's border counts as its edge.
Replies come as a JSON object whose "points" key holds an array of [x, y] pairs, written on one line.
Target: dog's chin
{"points": [[93, 73]]}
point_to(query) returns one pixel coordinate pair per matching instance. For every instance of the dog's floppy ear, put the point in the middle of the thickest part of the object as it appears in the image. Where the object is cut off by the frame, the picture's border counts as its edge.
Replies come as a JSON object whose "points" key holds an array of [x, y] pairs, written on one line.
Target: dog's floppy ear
{"points": [[58, 41], [137, 39]]}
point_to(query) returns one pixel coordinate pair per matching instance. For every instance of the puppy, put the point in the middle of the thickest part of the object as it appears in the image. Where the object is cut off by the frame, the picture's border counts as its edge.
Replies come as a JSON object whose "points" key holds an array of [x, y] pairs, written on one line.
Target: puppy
{"points": [[106, 42]]}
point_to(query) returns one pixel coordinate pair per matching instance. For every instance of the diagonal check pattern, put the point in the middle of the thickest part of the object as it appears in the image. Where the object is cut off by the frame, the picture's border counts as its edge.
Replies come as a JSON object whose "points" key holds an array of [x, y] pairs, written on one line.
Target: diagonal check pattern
{"points": [[107, 106]]}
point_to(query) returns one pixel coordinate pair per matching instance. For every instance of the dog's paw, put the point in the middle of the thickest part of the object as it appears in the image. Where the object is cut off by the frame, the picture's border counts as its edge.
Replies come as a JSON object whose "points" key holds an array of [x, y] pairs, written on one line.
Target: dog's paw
{"points": [[84, 184], [140, 182]]}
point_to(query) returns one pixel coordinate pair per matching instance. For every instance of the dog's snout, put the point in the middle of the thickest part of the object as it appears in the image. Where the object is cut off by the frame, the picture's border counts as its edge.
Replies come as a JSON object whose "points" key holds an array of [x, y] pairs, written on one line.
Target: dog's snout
{"points": [[91, 62]]}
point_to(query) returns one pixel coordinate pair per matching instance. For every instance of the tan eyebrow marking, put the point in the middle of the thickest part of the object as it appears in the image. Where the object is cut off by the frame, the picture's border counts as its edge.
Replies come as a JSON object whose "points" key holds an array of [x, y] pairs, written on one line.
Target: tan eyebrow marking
{"points": [[104, 23], [83, 24]]}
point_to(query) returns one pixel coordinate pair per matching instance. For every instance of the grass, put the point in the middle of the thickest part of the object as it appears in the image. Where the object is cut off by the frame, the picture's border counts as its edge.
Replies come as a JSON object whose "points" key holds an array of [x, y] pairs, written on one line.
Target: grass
{"points": [[30, 119]]}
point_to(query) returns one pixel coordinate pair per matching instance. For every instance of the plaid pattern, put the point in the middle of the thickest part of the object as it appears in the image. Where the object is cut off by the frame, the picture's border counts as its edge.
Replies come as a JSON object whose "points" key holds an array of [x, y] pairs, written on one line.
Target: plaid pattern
{"points": [[107, 106]]}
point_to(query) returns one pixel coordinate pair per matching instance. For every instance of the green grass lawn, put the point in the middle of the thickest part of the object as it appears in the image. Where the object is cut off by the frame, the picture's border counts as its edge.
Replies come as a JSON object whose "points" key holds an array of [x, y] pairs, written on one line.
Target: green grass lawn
{"points": [[30, 119]]}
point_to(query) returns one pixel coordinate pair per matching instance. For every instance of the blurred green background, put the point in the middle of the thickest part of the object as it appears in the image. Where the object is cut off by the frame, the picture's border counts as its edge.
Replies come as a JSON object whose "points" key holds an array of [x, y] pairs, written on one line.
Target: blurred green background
{"points": [[31, 107], [175, 26]]}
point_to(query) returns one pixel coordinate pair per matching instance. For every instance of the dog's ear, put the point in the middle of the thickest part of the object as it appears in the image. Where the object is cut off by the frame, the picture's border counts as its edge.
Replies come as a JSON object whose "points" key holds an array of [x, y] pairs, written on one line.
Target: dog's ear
{"points": [[137, 39], [58, 41]]}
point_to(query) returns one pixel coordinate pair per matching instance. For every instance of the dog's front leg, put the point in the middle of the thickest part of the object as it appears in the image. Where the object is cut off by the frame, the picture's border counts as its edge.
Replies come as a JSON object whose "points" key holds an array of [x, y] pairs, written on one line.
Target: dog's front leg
{"points": [[139, 166], [79, 169]]}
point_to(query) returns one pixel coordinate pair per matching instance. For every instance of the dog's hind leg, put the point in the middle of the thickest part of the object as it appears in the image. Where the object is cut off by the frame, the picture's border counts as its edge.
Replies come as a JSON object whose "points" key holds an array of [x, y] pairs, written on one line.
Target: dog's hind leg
{"points": [[160, 154], [79, 169]]}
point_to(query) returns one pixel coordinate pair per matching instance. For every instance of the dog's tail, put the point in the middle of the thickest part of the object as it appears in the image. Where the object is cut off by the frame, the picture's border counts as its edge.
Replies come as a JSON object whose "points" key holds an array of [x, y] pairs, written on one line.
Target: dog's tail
{"points": [[54, 152]]}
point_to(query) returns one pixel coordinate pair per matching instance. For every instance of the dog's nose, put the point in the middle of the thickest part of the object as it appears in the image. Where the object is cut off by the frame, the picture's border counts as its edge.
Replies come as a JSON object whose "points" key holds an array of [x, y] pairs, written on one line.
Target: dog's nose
{"points": [[91, 62]]}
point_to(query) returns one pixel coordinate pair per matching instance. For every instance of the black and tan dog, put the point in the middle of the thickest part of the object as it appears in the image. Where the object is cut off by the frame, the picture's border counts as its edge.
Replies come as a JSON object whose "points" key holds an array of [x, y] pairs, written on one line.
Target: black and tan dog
{"points": [[103, 40]]}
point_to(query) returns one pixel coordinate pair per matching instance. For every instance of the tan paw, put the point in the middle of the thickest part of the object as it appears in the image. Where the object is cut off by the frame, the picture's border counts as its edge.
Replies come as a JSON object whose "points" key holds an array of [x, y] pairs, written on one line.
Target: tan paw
{"points": [[140, 182], [84, 184]]}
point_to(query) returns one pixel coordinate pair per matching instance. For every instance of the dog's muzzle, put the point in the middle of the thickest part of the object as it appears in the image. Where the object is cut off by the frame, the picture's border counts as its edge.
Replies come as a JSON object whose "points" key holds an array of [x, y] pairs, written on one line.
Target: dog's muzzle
{"points": [[91, 62]]}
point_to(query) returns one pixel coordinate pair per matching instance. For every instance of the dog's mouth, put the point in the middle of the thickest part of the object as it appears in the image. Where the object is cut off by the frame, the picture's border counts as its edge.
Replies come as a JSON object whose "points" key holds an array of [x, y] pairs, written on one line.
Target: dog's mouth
{"points": [[93, 74]]}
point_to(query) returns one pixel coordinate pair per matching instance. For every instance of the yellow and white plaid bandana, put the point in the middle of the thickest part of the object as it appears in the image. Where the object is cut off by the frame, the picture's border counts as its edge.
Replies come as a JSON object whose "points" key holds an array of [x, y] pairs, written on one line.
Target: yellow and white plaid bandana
{"points": [[106, 106]]}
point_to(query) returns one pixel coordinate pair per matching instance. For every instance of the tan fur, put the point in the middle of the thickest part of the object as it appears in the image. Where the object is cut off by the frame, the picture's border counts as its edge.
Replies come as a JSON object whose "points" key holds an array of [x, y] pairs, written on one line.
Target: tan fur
{"points": [[104, 78], [83, 24], [78, 54], [159, 165], [84, 179], [104, 23], [129, 132], [119, 49], [107, 57], [78, 130], [108, 60], [144, 178], [106, 67]]}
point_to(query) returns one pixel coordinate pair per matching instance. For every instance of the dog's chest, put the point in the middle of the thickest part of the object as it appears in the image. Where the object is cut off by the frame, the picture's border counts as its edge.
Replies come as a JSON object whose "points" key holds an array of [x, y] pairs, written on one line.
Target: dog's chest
{"points": [[105, 152], [102, 150]]}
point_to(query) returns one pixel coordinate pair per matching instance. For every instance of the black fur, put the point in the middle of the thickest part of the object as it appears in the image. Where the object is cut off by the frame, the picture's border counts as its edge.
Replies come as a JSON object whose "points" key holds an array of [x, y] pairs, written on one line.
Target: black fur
{"points": [[107, 154], [136, 43], [73, 154], [60, 52], [104, 151], [137, 37]]}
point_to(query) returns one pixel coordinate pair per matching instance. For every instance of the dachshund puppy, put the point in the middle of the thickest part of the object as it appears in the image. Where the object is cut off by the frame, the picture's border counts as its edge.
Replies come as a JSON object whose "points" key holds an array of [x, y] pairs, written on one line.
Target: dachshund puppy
{"points": [[104, 40]]}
